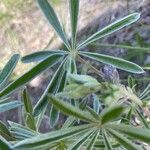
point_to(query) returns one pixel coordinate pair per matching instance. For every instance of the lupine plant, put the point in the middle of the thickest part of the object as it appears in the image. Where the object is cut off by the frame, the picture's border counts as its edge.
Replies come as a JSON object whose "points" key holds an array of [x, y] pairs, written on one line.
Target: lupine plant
{"points": [[99, 115]]}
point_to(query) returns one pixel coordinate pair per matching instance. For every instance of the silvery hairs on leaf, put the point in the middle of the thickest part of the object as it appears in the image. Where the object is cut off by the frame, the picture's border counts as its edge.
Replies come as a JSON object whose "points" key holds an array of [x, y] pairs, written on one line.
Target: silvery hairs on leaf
{"points": [[110, 74]]}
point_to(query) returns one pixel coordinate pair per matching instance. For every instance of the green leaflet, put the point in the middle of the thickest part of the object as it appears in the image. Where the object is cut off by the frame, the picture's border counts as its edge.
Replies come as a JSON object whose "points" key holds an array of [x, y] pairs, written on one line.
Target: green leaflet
{"points": [[32, 73], [57, 83], [131, 82], [8, 69], [53, 20], [30, 122], [5, 106], [54, 116], [80, 86], [141, 134], [41, 104], [74, 11], [21, 132], [71, 65], [29, 119], [114, 61], [40, 118], [40, 56], [70, 110], [79, 142], [145, 92], [101, 145], [76, 91], [4, 145], [5, 132], [129, 145], [3, 128], [46, 140], [143, 120], [92, 112], [82, 79], [111, 113], [127, 118], [117, 25], [92, 141], [133, 48], [70, 121], [107, 143], [27, 101], [96, 103]]}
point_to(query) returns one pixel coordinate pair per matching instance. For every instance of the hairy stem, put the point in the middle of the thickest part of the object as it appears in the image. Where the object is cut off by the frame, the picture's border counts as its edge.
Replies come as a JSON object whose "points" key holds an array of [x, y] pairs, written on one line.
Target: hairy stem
{"points": [[98, 72]]}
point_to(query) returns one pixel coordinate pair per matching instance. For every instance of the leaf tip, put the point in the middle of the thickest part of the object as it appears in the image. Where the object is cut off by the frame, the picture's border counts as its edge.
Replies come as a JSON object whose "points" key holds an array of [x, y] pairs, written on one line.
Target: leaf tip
{"points": [[140, 70]]}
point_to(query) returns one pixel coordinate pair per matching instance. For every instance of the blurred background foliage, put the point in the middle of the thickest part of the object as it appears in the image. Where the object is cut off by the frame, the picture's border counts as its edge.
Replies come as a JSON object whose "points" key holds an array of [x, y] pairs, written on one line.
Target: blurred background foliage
{"points": [[12, 16]]}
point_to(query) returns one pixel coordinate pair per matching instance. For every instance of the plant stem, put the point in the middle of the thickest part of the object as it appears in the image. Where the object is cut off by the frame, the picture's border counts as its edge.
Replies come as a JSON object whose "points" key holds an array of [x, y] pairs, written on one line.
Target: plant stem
{"points": [[98, 72]]}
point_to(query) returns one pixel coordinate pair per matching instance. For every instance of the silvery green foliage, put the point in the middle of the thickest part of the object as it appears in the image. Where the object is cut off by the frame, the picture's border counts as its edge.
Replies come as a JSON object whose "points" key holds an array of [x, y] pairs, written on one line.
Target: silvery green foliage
{"points": [[106, 124]]}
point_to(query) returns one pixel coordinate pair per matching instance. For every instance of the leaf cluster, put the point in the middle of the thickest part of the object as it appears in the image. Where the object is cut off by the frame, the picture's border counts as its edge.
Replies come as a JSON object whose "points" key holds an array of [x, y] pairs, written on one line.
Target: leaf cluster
{"points": [[104, 124]]}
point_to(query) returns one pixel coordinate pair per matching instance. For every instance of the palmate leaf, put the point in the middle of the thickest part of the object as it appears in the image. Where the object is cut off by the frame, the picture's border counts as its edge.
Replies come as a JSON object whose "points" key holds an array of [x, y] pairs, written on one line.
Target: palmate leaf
{"points": [[124, 141], [117, 25], [32, 73], [141, 134], [57, 83], [53, 20], [40, 55], [46, 140], [8, 69], [114, 61], [111, 113], [70, 110], [74, 11], [5, 106]]}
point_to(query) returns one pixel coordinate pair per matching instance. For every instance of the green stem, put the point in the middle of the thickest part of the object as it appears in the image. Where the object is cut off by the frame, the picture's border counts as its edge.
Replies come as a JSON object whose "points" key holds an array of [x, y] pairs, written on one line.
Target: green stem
{"points": [[100, 73]]}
